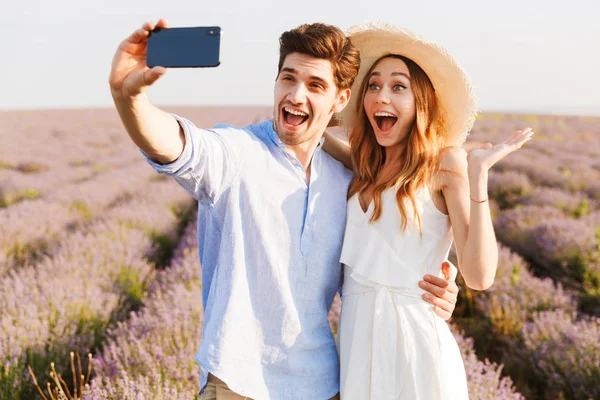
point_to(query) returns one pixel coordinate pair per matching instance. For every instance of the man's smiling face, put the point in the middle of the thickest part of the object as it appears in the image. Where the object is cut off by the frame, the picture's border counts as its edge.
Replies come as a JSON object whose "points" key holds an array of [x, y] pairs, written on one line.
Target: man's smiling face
{"points": [[305, 98]]}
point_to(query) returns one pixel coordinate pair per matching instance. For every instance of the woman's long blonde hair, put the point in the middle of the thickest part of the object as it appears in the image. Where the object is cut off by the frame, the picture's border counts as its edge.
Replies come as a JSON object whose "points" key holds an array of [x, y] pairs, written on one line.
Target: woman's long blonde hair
{"points": [[421, 155]]}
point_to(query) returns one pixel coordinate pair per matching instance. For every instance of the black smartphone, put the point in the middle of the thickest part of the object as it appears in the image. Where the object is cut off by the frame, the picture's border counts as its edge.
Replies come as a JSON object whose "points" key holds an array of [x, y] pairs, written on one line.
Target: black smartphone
{"points": [[192, 47]]}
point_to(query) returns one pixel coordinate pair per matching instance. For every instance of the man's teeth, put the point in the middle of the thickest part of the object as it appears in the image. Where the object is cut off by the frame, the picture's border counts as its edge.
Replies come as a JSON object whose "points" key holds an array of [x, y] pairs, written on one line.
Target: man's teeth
{"points": [[384, 114], [295, 112]]}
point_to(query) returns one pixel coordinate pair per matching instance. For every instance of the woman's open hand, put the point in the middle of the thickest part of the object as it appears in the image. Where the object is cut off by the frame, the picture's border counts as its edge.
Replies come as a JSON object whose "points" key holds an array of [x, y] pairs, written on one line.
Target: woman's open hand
{"points": [[487, 155]]}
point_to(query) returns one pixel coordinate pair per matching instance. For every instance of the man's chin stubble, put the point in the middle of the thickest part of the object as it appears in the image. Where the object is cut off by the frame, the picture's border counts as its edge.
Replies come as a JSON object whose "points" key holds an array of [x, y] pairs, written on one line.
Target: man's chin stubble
{"points": [[291, 141]]}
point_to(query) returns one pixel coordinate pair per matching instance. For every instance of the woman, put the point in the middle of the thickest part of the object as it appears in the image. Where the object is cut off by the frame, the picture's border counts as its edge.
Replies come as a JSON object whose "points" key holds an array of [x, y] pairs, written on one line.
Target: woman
{"points": [[415, 192]]}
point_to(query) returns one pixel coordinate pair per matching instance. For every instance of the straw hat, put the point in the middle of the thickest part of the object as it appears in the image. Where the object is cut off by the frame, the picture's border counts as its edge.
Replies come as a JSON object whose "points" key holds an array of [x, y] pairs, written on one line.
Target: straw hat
{"points": [[452, 87]]}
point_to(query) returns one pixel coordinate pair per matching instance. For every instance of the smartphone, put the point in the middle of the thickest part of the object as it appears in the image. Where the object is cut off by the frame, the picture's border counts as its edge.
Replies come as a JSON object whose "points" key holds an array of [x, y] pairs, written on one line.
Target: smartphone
{"points": [[193, 47]]}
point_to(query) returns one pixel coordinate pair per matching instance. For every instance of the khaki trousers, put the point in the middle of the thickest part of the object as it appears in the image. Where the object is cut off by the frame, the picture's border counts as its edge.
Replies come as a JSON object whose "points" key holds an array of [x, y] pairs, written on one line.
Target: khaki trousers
{"points": [[216, 389]]}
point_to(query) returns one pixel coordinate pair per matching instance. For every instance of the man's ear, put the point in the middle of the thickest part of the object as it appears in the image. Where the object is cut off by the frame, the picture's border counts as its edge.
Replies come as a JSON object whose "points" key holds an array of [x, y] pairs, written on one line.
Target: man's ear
{"points": [[342, 101]]}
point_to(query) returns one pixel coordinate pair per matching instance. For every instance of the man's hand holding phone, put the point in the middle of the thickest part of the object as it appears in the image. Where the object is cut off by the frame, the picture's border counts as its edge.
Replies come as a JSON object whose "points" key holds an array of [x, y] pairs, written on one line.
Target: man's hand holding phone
{"points": [[156, 132], [130, 75], [141, 59]]}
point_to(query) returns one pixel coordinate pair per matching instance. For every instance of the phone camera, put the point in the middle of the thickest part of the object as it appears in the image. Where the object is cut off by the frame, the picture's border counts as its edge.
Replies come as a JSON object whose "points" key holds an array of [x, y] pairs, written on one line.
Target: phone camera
{"points": [[212, 32]]}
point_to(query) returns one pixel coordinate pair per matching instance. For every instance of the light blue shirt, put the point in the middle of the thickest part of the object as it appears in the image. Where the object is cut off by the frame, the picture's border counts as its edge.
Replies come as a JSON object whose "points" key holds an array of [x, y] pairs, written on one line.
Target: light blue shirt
{"points": [[269, 247]]}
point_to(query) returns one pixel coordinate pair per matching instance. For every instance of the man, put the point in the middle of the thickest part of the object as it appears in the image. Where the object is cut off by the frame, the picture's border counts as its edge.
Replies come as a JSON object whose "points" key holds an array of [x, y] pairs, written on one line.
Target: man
{"points": [[272, 208]]}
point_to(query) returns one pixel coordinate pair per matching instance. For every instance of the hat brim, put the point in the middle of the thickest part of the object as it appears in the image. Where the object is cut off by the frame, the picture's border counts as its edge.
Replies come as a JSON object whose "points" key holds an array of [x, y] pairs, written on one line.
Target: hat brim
{"points": [[452, 87]]}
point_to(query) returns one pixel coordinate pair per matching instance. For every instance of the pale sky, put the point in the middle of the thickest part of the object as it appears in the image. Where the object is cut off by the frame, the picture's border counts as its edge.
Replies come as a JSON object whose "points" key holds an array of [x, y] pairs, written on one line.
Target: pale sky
{"points": [[532, 56]]}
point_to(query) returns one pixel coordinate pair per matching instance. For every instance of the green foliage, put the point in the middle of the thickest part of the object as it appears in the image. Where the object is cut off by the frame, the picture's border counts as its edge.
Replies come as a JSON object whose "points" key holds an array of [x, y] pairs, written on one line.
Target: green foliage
{"points": [[158, 178], [78, 163], [164, 243], [11, 382], [190, 283], [22, 252], [98, 145], [82, 208], [582, 209], [130, 284], [184, 215], [6, 165], [508, 197], [8, 199], [32, 168], [163, 248], [514, 277], [86, 322], [101, 167]]}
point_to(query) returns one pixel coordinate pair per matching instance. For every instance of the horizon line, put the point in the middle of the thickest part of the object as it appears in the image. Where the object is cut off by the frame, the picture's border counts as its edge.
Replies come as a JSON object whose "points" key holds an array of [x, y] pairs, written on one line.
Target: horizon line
{"points": [[585, 112]]}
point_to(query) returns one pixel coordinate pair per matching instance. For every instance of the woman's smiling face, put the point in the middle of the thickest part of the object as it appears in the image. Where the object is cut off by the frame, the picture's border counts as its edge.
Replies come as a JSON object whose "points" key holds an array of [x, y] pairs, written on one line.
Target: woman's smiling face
{"points": [[389, 101]]}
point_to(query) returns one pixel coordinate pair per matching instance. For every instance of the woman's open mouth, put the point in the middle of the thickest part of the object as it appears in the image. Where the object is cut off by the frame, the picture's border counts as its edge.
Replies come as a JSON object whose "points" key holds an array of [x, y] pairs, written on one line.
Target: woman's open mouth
{"points": [[294, 117], [385, 121]]}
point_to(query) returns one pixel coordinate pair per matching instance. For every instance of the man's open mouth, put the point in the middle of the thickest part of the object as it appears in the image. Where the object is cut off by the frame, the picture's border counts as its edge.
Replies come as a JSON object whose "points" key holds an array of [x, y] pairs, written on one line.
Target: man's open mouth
{"points": [[385, 121], [294, 117]]}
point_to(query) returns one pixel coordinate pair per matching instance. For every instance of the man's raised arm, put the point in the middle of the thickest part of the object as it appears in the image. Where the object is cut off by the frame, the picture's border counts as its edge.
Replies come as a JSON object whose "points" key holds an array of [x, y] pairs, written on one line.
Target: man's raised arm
{"points": [[156, 132]]}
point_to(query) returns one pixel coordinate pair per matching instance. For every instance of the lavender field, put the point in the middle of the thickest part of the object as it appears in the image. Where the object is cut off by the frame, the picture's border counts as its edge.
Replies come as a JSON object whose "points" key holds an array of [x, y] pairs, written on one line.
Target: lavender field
{"points": [[98, 256]]}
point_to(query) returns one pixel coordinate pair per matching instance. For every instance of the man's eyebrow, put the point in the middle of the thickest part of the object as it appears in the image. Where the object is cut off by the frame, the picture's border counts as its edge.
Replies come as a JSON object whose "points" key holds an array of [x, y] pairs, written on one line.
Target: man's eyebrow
{"points": [[320, 80], [313, 77]]}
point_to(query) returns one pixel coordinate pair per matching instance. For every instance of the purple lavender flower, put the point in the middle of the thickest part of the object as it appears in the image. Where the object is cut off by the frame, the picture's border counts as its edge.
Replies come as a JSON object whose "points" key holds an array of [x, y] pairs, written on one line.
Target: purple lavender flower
{"points": [[564, 248], [149, 386], [484, 378], [507, 187], [65, 302], [159, 341], [574, 204], [516, 295], [513, 226], [565, 354]]}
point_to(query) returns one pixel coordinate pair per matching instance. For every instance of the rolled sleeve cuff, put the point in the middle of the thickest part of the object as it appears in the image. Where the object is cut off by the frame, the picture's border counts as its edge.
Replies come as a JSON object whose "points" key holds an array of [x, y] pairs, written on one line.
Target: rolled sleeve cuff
{"points": [[173, 168]]}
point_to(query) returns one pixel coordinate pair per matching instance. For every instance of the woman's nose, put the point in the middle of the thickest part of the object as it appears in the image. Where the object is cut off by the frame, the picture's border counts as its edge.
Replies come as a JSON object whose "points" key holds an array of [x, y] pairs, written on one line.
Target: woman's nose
{"points": [[383, 97]]}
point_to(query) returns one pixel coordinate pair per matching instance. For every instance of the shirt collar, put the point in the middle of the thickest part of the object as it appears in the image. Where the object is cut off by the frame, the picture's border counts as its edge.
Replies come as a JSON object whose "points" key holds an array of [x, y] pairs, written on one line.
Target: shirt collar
{"points": [[268, 127]]}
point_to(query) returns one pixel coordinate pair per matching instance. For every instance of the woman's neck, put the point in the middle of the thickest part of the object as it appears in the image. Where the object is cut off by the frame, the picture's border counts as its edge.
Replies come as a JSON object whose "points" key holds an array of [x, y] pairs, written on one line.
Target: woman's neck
{"points": [[393, 157]]}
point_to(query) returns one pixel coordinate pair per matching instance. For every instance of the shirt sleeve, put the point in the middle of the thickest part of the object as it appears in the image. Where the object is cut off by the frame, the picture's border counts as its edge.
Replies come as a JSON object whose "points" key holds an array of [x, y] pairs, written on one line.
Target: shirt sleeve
{"points": [[210, 161]]}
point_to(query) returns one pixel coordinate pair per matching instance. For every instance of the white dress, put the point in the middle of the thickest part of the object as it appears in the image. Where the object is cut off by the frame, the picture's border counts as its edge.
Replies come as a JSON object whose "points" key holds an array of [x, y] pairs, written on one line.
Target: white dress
{"points": [[392, 344]]}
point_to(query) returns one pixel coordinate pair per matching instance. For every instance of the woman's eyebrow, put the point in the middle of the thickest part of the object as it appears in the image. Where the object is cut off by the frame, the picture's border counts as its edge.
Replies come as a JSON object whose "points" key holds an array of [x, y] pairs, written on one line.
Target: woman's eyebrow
{"points": [[377, 73], [401, 74]]}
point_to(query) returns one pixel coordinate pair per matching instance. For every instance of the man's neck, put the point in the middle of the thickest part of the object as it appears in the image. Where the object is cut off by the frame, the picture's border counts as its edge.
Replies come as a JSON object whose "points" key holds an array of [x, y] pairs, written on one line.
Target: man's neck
{"points": [[304, 153]]}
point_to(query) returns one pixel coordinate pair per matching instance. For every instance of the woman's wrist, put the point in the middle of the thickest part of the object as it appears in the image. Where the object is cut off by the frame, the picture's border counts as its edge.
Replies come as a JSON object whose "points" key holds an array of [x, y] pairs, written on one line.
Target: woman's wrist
{"points": [[479, 201], [478, 175], [478, 186]]}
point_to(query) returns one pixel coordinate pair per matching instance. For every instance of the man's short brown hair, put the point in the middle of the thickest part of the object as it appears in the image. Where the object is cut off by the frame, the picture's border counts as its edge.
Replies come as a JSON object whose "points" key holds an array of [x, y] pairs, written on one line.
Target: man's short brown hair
{"points": [[326, 42]]}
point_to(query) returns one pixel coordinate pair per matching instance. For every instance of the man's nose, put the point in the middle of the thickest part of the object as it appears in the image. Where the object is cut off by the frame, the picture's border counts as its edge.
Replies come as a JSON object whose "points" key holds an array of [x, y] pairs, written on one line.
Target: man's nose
{"points": [[297, 95]]}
